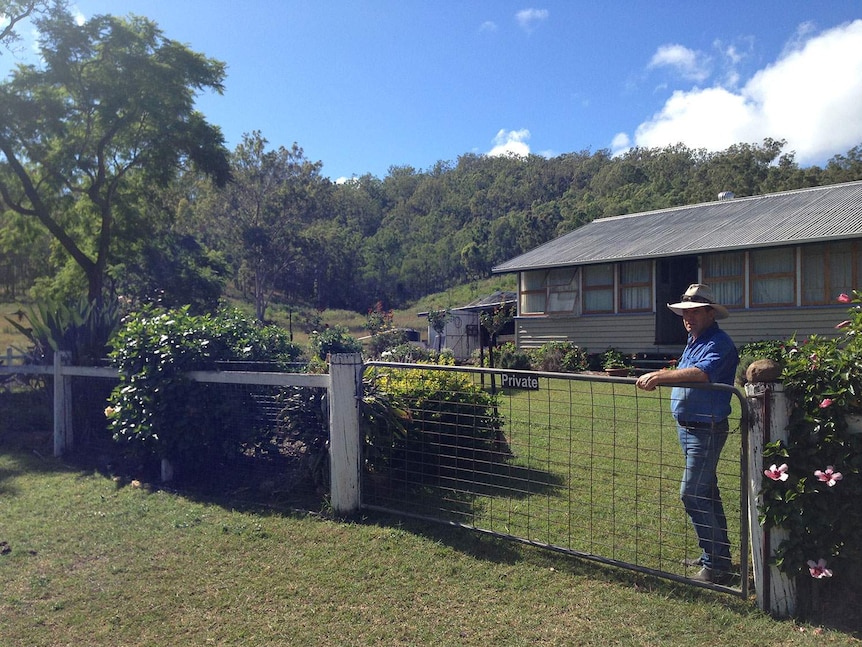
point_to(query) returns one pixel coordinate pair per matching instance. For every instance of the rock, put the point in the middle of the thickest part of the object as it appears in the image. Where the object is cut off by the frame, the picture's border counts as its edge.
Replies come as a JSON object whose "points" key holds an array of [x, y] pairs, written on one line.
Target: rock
{"points": [[763, 370]]}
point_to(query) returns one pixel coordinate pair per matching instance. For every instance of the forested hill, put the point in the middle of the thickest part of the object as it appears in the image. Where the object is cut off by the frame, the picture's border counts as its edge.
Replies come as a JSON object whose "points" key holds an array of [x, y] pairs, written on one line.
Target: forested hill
{"points": [[281, 228], [420, 231]]}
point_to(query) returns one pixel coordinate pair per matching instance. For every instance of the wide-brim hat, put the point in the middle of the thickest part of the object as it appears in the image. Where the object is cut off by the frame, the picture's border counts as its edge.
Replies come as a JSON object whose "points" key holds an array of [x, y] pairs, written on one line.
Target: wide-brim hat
{"points": [[698, 295]]}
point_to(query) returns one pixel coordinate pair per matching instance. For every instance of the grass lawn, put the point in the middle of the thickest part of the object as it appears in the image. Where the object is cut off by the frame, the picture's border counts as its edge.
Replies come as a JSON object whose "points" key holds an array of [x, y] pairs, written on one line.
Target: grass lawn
{"points": [[89, 560]]}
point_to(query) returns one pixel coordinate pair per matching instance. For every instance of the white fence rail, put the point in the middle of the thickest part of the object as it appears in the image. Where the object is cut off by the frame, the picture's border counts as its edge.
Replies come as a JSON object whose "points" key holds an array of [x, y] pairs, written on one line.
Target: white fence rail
{"points": [[342, 384]]}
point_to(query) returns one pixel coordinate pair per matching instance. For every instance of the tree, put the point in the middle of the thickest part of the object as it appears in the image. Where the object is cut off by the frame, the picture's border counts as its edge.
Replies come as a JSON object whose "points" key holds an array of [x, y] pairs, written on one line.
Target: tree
{"points": [[16, 11], [113, 99], [273, 195]]}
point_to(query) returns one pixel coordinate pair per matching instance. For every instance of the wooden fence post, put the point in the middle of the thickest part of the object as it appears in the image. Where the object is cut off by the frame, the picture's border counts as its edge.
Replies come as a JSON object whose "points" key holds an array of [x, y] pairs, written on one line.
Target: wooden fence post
{"points": [[63, 430], [345, 440], [776, 592]]}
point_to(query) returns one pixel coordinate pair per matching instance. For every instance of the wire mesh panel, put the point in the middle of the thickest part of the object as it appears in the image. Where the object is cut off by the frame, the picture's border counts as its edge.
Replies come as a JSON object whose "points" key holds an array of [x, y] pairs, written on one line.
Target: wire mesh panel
{"points": [[265, 442], [581, 463]]}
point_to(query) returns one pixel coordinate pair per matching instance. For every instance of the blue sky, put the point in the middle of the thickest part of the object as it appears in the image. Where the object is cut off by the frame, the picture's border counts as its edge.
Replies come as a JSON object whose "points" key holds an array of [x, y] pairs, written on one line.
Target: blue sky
{"points": [[362, 85]]}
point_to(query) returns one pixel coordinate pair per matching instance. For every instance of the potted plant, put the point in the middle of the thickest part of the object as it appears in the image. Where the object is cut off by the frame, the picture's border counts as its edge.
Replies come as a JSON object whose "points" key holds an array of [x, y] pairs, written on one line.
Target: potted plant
{"points": [[614, 363]]}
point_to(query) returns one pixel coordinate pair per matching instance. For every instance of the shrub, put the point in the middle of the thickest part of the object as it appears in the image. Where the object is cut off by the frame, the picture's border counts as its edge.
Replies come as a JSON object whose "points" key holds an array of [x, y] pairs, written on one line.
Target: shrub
{"points": [[333, 340], [303, 422], [508, 356], [612, 358], [559, 356], [156, 411], [386, 340], [418, 421], [811, 483], [410, 353]]}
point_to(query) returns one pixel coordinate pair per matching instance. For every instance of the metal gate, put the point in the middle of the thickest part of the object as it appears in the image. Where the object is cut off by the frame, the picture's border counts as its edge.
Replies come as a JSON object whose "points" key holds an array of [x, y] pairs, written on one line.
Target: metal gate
{"points": [[585, 464]]}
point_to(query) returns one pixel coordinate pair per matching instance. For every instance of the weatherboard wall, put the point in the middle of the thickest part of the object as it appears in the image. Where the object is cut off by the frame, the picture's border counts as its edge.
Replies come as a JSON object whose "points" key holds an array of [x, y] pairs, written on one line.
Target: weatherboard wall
{"points": [[635, 333]]}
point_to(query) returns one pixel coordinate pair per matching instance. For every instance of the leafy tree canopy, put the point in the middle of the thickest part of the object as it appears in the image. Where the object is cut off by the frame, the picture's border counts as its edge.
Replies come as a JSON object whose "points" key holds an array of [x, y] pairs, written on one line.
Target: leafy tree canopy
{"points": [[112, 99]]}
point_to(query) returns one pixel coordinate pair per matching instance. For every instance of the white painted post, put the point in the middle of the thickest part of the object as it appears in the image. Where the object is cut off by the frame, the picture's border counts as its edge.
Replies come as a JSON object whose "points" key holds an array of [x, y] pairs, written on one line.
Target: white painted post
{"points": [[59, 407], [63, 430], [776, 592], [345, 440], [167, 470], [68, 406]]}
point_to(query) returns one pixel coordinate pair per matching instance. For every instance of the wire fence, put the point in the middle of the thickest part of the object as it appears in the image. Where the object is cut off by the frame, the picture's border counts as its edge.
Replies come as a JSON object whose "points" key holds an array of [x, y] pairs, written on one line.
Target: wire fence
{"points": [[272, 451], [579, 463], [584, 464]]}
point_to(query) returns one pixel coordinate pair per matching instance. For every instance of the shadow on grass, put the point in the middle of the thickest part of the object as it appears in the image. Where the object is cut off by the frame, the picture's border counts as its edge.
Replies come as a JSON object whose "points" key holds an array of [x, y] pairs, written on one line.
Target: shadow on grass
{"points": [[835, 609], [452, 485], [485, 547]]}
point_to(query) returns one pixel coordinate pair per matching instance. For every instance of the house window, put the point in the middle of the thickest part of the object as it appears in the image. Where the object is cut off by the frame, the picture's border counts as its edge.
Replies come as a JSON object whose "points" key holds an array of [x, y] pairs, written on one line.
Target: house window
{"points": [[636, 286], [827, 271], [725, 274], [773, 277], [562, 290], [599, 288], [549, 291], [533, 292]]}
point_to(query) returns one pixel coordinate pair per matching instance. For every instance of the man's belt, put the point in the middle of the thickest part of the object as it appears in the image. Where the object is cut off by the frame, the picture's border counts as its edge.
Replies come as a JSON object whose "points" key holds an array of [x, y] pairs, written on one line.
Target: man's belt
{"points": [[721, 425]]}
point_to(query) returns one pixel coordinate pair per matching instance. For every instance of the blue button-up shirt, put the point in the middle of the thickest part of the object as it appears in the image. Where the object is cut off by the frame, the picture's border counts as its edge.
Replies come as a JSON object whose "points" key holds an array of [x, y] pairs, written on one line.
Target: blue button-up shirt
{"points": [[714, 353]]}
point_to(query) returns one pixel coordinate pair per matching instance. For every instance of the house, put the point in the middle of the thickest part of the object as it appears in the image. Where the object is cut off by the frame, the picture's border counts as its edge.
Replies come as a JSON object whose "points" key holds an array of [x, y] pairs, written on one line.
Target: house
{"points": [[464, 333], [777, 261]]}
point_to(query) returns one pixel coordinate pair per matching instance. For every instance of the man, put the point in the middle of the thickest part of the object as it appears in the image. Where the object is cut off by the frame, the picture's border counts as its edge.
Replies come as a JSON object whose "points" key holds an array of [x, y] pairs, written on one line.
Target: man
{"points": [[701, 416]]}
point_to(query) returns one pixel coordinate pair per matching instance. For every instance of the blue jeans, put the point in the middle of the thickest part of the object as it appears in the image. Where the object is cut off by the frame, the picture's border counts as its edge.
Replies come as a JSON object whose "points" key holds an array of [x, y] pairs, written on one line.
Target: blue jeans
{"points": [[700, 495]]}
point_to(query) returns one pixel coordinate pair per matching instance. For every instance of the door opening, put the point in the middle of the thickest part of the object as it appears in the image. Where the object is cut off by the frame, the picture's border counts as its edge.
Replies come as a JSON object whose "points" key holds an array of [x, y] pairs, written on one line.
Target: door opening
{"points": [[673, 276]]}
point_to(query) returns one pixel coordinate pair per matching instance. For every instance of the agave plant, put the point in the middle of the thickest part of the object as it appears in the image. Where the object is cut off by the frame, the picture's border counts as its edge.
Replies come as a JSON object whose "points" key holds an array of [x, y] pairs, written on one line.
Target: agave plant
{"points": [[81, 329]]}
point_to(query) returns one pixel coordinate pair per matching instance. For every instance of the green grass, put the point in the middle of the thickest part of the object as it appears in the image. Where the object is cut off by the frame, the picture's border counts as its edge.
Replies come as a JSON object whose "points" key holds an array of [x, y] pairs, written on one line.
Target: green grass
{"points": [[100, 562]]}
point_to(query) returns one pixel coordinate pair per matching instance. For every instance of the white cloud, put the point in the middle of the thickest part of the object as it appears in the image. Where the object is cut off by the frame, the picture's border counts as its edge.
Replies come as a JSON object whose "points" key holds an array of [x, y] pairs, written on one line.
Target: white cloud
{"points": [[488, 25], [511, 142], [690, 64], [620, 144], [811, 96], [529, 18]]}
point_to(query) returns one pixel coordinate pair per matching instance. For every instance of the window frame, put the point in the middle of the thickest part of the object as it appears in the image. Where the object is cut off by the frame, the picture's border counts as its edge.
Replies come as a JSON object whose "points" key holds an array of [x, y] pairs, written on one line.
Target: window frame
{"points": [[714, 281], [636, 285], [790, 275], [608, 288], [551, 286], [829, 291]]}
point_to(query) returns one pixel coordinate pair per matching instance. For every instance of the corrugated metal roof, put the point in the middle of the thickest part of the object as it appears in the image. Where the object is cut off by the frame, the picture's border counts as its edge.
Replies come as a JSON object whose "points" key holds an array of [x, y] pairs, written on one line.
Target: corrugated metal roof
{"points": [[791, 217], [494, 300]]}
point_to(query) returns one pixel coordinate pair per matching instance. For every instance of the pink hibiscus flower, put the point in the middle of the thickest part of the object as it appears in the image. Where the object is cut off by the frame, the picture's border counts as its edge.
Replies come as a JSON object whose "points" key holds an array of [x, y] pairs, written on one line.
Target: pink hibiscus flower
{"points": [[818, 569], [777, 473], [828, 476]]}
